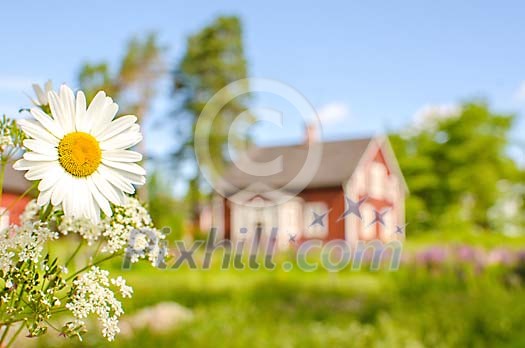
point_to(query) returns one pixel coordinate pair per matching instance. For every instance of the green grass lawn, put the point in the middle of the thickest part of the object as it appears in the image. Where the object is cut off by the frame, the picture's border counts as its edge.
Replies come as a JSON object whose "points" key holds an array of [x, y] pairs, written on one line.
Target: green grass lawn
{"points": [[414, 307]]}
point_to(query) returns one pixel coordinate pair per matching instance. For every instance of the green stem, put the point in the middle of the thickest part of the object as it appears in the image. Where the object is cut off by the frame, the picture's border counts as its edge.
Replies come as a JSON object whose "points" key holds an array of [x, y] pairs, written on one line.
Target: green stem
{"points": [[98, 248], [74, 253], [12, 340], [91, 265], [4, 335]]}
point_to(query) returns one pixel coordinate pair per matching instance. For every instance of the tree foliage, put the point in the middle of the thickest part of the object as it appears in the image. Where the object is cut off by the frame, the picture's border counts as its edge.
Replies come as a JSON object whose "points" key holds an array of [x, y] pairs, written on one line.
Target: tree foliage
{"points": [[454, 166], [133, 84], [213, 59]]}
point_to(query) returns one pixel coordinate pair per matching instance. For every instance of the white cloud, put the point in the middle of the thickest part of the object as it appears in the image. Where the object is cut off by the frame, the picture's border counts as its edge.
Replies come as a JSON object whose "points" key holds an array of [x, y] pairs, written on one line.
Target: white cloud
{"points": [[428, 115], [333, 112], [520, 93]]}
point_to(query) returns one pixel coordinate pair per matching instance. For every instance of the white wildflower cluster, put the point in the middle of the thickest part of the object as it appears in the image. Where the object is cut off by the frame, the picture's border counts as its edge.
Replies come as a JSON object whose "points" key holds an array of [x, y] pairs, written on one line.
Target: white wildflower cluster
{"points": [[83, 226], [120, 283], [115, 230], [5, 138], [93, 295], [21, 243], [30, 212], [36, 283], [119, 229], [10, 134]]}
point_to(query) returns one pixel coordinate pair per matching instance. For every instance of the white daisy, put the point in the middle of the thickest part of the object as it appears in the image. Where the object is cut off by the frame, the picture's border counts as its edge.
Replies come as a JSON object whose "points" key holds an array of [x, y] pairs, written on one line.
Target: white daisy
{"points": [[41, 94], [80, 154]]}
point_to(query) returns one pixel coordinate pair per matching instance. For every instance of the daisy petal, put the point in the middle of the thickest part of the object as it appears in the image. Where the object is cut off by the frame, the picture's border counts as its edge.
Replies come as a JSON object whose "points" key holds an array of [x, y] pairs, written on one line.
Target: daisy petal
{"points": [[38, 172], [36, 131], [47, 122], [55, 174], [113, 195], [79, 198], [40, 146], [122, 156], [82, 122], [39, 157], [129, 167], [61, 191], [67, 99], [116, 127], [58, 113], [103, 119], [100, 200], [23, 164], [132, 178], [121, 141], [40, 95], [116, 180], [44, 197]]}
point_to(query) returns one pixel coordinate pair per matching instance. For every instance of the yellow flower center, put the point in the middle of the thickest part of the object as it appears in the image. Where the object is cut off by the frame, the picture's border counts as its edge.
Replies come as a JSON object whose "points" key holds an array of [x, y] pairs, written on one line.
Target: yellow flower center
{"points": [[79, 153]]}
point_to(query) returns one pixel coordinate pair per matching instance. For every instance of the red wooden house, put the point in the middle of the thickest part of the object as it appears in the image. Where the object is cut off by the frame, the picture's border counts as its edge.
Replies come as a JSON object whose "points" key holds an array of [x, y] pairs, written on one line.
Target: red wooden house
{"points": [[349, 171], [14, 186]]}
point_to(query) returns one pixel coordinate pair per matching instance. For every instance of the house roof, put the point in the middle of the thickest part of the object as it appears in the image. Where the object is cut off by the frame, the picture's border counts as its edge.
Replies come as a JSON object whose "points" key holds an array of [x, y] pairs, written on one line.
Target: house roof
{"points": [[14, 181], [338, 161]]}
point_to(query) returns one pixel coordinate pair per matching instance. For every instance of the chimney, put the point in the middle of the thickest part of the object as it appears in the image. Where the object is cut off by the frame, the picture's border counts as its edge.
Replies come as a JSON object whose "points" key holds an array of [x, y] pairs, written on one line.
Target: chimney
{"points": [[311, 134]]}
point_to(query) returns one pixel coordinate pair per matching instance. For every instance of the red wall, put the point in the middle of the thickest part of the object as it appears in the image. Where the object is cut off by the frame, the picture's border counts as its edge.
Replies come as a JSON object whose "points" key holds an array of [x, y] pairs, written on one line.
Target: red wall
{"points": [[334, 199], [15, 210]]}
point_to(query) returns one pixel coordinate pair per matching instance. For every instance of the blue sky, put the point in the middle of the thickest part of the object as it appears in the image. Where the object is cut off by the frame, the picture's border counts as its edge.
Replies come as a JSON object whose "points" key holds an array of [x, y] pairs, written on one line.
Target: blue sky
{"points": [[367, 66]]}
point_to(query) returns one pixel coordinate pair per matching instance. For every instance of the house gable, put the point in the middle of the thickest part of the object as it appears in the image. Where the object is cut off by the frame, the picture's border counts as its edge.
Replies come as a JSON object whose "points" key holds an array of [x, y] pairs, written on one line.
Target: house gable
{"points": [[378, 178]]}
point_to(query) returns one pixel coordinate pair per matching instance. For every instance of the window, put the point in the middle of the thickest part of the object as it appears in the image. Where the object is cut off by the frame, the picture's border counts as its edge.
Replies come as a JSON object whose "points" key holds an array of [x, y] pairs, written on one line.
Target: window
{"points": [[319, 229], [367, 231], [389, 229], [290, 217], [378, 177]]}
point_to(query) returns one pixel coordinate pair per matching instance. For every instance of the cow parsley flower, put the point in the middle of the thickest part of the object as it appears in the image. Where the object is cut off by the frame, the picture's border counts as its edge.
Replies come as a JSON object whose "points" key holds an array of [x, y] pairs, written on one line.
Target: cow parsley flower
{"points": [[30, 212], [117, 229], [80, 154], [92, 294], [86, 228], [125, 290], [26, 242], [5, 136]]}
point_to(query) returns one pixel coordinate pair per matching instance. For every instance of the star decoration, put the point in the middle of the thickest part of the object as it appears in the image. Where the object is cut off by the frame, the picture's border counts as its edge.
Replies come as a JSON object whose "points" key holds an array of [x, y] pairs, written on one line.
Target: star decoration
{"points": [[291, 238], [353, 208], [379, 217], [318, 219], [401, 229]]}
